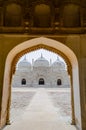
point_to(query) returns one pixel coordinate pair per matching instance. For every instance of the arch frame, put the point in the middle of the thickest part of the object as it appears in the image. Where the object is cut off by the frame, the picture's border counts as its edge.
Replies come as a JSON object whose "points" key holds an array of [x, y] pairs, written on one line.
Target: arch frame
{"points": [[35, 44]]}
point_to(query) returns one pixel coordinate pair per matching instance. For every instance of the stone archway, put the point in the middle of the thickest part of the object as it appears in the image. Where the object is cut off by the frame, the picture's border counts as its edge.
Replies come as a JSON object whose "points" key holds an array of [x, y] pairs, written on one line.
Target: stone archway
{"points": [[34, 44]]}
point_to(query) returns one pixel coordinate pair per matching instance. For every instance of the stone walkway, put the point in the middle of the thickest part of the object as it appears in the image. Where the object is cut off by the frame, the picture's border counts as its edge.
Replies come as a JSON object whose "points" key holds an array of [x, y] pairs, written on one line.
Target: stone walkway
{"points": [[40, 115]]}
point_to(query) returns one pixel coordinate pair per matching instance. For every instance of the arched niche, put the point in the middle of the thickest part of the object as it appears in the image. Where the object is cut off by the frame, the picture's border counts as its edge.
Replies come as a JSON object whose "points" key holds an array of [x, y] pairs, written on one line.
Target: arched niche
{"points": [[71, 15], [42, 16], [12, 15]]}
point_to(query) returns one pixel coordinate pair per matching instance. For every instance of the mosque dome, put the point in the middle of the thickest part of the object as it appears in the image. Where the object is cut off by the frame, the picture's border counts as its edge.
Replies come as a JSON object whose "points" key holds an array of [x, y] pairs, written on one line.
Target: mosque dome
{"points": [[41, 61], [24, 64], [58, 64]]}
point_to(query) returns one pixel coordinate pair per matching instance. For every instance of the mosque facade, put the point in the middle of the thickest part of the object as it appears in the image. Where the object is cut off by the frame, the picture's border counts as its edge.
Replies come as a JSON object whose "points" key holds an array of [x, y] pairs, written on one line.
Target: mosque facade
{"points": [[41, 73]]}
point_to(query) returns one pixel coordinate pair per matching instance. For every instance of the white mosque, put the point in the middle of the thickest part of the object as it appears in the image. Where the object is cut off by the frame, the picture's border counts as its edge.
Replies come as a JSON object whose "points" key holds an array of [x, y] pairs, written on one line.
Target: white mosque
{"points": [[41, 73]]}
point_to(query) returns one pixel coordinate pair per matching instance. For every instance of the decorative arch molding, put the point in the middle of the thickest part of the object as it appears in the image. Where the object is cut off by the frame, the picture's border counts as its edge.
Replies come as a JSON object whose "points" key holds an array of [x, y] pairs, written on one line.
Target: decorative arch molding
{"points": [[37, 47], [35, 44], [13, 1]]}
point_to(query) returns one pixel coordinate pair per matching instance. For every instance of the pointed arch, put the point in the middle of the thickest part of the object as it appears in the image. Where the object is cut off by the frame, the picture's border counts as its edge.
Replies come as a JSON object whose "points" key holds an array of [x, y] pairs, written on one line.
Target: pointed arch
{"points": [[34, 44]]}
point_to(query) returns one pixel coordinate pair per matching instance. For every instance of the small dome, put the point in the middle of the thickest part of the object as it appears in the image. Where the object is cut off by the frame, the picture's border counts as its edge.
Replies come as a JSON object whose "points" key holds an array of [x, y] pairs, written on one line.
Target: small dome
{"points": [[58, 63], [41, 62], [24, 63]]}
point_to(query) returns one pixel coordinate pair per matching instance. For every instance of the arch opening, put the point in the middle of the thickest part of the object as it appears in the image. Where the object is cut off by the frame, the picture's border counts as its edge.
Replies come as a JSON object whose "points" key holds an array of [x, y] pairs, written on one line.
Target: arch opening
{"points": [[59, 82], [40, 73], [42, 17], [33, 44], [23, 82], [13, 15], [41, 81]]}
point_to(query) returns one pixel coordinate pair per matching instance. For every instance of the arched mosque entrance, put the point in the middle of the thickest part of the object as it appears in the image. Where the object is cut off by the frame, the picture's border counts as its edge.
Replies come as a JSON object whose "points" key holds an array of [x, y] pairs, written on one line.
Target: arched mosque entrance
{"points": [[54, 46]]}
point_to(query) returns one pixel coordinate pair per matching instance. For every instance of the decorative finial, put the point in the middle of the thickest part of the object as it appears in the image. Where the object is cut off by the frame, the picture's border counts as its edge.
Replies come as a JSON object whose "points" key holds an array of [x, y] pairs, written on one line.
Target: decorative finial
{"points": [[50, 61], [41, 55], [58, 58], [32, 61], [25, 58]]}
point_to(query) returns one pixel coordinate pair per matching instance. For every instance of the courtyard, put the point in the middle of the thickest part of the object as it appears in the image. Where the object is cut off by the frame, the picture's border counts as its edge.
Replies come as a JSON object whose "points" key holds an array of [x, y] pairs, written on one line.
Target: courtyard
{"points": [[39, 109], [21, 98]]}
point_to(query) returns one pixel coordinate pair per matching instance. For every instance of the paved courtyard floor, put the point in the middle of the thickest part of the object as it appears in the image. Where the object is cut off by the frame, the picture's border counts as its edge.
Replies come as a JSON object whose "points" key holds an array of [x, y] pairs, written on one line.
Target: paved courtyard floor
{"points": [[40, 113]]}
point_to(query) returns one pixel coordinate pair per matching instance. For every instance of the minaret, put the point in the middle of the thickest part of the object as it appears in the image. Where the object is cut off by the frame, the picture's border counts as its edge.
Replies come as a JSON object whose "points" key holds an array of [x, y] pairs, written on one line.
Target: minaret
{"points": [[32, 62], [25, 58], [58, 58], [50, 62], [41, 55]]}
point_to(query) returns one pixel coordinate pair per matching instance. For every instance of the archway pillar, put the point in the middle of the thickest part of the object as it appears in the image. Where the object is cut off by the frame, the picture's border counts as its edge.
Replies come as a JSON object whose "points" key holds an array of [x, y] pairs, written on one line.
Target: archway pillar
{"points": [[69, 69], [82, 81], [3, 111]]}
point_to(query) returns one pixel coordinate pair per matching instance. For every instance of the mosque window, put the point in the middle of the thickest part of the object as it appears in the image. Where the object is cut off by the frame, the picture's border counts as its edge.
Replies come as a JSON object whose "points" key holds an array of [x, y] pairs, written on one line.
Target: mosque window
{"points": [[59, 82], [23, 82], [41, 81]]}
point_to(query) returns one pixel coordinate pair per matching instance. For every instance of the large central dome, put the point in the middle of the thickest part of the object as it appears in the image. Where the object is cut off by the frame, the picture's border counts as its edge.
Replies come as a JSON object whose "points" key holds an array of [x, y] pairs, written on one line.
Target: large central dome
{"points": [[41, 61]]}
